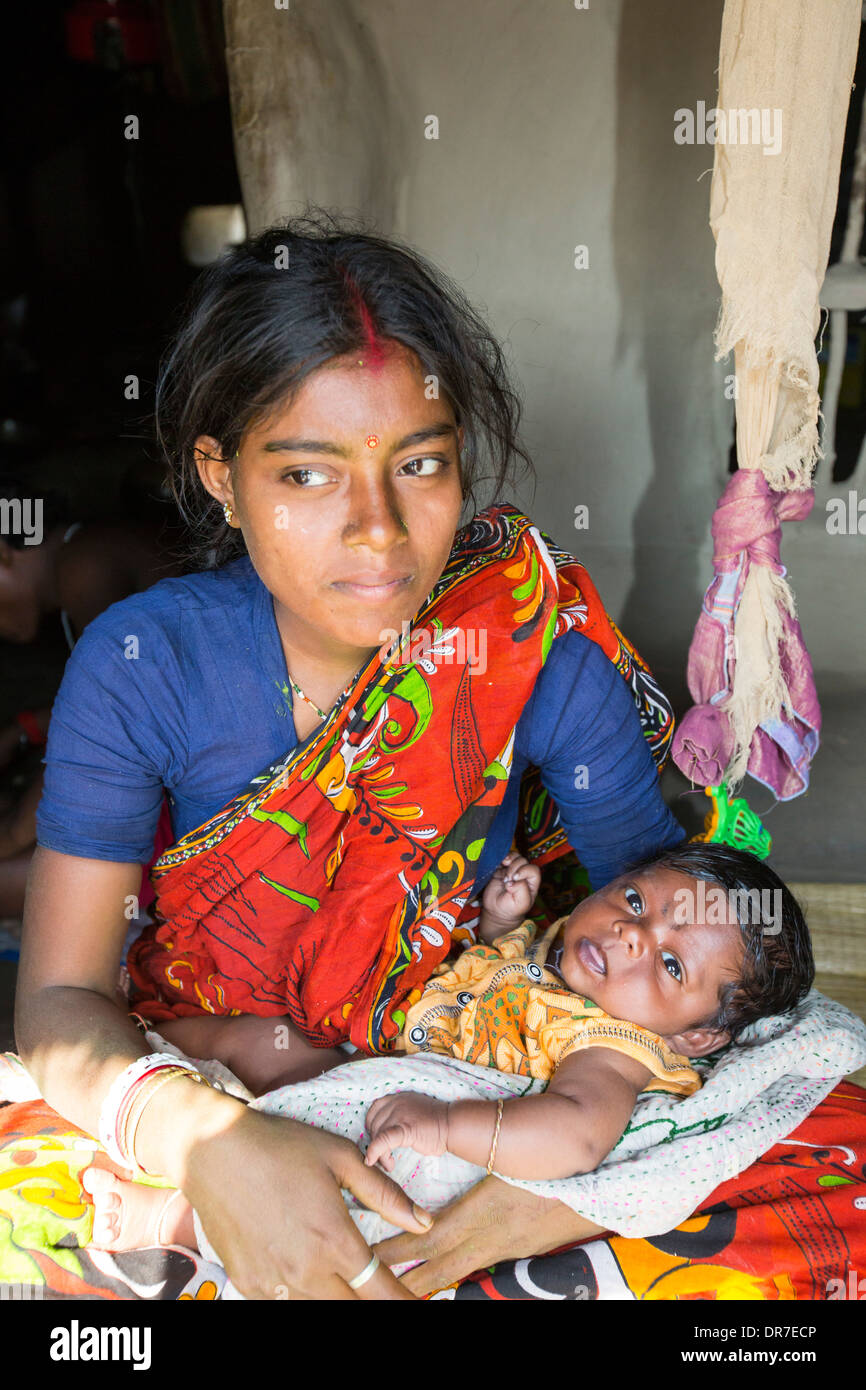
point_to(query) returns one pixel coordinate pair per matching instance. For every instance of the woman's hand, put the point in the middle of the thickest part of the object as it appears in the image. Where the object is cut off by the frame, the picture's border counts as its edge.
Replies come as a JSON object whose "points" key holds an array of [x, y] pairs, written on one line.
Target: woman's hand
{"points": [[408, 1121], [267, 1191], [492, 1222]]}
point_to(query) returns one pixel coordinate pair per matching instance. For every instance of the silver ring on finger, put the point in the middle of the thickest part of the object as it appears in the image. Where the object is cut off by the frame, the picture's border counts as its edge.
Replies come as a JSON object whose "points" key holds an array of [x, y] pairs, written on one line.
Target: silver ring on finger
{"points": [[366, 1273]]}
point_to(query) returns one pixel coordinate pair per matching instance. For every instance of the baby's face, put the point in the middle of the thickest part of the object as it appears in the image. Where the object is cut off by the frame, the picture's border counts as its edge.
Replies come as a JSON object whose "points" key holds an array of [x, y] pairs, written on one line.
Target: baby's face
{"points": [[637, 951]]}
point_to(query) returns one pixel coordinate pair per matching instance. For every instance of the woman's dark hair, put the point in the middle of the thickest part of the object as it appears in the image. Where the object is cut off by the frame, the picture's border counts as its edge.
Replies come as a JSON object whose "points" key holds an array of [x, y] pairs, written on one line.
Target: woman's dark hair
{"points": [[778, 969], [277, 307]]}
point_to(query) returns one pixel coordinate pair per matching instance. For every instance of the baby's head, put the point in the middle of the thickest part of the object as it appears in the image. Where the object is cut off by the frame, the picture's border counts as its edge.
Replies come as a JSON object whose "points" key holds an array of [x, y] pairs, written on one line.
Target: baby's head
{"points": [[693, 944]]}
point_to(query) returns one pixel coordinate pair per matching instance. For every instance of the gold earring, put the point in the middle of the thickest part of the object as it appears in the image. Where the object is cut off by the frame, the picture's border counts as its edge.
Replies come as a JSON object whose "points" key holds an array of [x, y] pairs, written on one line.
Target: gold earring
{"points": [[227, 512]]}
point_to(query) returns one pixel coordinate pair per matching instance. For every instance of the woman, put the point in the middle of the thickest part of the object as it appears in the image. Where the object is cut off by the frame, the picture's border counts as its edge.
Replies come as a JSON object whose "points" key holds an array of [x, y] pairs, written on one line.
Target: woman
{"points": [[326, 408]]}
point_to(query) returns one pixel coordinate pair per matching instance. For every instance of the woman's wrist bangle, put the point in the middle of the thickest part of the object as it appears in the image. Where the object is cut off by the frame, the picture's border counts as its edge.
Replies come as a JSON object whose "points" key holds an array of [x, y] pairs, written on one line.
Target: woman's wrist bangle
{"points": [[133, 1109], [143, 1098], [115, 1106], [499, 1105], [173, 1129]]}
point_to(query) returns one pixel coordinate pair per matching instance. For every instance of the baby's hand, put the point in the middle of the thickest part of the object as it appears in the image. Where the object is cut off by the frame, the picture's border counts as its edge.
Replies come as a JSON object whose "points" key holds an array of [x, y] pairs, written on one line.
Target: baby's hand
{"points": [[511, 891], [405, 1121]]}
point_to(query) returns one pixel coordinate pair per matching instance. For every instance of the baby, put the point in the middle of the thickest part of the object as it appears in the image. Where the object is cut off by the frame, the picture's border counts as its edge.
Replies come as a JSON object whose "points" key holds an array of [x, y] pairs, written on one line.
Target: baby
{"points": [[670, 961]]}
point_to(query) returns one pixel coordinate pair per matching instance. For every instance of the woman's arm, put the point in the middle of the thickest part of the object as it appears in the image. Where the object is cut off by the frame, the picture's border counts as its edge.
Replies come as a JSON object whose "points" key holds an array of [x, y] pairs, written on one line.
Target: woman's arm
{"points": [[582, 731], [267, 1189], [71, 1034]]}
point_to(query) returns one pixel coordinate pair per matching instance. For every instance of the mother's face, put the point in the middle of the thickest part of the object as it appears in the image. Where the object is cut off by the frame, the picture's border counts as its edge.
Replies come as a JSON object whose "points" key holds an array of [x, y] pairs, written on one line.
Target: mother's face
{"points": [[348, 499]]}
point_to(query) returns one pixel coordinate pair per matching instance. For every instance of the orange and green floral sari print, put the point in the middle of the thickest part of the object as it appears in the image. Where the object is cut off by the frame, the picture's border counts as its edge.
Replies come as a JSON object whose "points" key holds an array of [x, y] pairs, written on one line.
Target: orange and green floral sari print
{"points": [[334, 883]]}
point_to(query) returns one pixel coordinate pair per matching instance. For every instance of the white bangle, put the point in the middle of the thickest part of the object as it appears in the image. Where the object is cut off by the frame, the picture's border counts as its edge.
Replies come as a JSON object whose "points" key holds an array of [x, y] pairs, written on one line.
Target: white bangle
{"points": [[118, 1092]]}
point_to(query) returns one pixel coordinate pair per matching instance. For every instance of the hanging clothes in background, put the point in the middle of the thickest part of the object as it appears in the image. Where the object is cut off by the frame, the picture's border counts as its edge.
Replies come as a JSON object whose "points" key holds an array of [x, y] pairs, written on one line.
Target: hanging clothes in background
{"points": [[772, 206]]}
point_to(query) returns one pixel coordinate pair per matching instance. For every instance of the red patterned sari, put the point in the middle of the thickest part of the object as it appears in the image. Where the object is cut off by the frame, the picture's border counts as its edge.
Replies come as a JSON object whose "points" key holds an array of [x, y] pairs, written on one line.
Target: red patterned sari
{"points": [[334, 883]]}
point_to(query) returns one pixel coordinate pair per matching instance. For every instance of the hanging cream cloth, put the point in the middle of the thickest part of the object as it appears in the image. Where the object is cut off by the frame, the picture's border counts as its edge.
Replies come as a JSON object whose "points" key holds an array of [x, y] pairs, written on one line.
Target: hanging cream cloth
{"points": [[785, 73]]}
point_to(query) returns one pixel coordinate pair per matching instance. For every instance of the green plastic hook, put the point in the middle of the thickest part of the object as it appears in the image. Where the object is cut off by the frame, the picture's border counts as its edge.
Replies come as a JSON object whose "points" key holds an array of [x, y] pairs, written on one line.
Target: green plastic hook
{"points": [[734, 823]]}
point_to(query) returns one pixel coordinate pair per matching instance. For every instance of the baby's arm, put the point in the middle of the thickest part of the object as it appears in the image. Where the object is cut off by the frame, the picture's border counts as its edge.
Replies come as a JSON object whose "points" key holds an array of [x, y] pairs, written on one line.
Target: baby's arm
{"points": [[508, 897], [567, 1130]]}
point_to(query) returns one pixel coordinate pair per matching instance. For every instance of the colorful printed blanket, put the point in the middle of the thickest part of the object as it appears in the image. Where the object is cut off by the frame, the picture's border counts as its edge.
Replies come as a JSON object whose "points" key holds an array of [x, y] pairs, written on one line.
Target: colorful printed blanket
{"points": [[791, 1226]]}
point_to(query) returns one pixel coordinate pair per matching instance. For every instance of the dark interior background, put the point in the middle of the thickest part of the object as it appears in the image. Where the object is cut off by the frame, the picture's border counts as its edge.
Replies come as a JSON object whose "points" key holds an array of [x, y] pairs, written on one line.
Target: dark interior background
{"points": [[91, 269]]}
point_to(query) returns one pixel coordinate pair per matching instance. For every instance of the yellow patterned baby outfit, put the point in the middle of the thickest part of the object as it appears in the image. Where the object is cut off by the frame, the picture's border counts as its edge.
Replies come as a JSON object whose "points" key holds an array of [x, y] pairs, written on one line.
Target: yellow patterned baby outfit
{"points": [[501, 1006]]}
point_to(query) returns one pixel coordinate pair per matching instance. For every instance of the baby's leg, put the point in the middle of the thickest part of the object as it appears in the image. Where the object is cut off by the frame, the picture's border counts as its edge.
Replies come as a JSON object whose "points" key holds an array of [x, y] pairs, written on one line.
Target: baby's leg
{"points": [[132, 1216]]}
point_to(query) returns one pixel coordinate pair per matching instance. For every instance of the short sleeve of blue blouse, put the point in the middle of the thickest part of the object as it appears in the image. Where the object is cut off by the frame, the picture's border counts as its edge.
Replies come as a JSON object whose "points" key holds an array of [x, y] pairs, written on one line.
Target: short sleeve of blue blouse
{"points": [[581, 728], [111, 747]]}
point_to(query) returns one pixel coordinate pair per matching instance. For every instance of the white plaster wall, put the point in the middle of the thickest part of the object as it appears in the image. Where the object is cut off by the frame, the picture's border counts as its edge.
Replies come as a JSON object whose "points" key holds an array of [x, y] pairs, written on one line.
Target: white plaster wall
{"points": [[555, 128]]}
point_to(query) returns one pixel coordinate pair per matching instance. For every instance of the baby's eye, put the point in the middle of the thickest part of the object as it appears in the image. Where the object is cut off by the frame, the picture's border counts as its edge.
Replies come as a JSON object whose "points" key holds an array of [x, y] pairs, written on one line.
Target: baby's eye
{"points": [[667, 961], [634, 900]]}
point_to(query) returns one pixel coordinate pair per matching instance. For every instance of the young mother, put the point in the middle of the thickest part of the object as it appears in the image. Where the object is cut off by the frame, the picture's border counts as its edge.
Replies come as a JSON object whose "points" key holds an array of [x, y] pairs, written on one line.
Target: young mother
{"points": [[327, 408]]}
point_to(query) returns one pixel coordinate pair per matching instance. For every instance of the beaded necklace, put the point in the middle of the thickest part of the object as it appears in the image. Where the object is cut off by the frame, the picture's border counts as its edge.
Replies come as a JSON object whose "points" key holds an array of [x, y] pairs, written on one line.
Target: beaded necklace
{"points": [[323, 714]]}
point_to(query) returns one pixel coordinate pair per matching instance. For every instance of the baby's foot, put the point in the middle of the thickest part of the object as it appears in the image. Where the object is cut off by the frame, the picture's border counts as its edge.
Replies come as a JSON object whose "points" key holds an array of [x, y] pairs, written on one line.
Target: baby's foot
{"points": [[132, 1216]]}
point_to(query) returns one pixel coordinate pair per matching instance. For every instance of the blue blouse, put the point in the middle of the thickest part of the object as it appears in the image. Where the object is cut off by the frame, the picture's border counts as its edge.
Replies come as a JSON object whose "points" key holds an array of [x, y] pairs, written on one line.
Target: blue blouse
{"points": [[184, 687]]}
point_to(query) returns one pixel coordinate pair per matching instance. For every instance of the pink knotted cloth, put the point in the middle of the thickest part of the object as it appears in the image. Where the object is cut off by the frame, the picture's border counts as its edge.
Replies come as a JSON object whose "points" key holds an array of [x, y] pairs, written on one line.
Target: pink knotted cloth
{"points": [[747, 531]]}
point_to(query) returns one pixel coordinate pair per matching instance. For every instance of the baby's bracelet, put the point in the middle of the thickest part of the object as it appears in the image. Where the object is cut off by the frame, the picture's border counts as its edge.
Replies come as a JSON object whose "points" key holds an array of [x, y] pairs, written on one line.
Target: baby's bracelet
{"points": [[499, 1105], [116, 1103]]}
